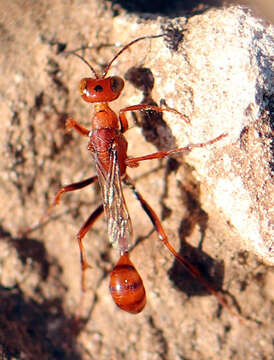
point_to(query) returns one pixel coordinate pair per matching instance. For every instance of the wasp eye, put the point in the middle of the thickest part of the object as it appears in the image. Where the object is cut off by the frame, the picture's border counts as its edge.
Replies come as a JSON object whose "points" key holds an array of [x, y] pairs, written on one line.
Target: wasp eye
{"points": [[116, 84], [82, 86]]}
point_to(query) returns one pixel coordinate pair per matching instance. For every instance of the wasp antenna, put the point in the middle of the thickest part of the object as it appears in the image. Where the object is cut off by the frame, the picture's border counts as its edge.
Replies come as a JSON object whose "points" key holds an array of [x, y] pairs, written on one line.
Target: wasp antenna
{"points": [[67, 53], [126, 47]]}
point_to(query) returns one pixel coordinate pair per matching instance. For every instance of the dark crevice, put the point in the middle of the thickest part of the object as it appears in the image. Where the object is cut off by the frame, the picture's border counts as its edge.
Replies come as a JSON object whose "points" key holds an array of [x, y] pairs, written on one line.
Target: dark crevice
{"points": [[36, 326], [162, 7]]}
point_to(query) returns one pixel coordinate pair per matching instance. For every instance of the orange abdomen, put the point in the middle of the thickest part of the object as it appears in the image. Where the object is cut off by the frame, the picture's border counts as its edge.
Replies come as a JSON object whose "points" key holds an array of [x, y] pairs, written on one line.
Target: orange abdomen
{"points": [[126, 286]]}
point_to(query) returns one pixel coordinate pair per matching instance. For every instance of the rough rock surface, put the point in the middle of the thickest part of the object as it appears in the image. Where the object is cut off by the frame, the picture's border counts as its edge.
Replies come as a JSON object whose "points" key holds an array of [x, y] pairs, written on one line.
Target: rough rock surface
{"points": [[215, 67]]}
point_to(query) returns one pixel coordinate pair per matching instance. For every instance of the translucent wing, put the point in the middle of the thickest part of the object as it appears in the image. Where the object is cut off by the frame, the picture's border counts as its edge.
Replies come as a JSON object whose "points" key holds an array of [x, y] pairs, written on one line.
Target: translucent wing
{"points": [[117, 216]]}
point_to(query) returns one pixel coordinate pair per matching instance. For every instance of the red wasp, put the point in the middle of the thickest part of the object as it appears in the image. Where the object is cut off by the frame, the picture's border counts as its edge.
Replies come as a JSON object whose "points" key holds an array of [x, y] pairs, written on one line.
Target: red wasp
{"points": [[108, 147]]}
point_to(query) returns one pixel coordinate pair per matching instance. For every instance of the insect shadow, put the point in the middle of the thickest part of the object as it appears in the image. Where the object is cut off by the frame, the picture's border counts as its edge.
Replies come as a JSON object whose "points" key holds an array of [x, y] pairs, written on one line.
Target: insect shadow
{"points": [[211, 269], [152, 122], [153, 126]]}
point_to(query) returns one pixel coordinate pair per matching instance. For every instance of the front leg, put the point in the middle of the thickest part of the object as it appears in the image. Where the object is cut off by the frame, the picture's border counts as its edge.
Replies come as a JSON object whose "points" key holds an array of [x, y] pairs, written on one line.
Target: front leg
{"points": [[72, 124], [140, 107]]}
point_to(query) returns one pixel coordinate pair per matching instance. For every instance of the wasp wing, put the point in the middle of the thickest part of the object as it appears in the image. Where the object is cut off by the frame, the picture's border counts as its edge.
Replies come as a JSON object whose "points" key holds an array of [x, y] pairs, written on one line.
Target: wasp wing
{"points": [[116, 212]]}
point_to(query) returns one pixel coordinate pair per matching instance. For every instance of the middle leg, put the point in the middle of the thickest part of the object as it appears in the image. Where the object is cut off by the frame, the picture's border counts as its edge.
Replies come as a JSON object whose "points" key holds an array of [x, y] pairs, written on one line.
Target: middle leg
{"points": [[131, 162]]}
